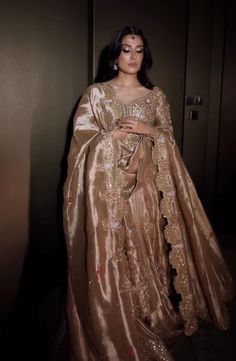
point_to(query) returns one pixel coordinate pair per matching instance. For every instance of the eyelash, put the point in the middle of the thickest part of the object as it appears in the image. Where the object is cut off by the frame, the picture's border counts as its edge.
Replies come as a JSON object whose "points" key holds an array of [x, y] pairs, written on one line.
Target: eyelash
{"points": [[127, 51]]}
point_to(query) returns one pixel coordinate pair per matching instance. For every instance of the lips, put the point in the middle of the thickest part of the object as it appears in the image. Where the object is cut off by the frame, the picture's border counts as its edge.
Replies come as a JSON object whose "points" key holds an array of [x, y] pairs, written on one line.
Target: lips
{"points": [[133, 64]]}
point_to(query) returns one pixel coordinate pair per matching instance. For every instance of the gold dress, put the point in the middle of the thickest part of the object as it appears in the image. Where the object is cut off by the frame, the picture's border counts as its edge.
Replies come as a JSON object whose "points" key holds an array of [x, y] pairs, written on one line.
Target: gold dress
{"points": [[144, 263]]}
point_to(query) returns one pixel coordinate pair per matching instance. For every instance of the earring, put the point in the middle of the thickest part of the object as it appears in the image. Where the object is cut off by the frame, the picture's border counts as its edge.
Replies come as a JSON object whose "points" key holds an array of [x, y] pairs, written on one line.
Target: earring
{"points": [[115, 67]]}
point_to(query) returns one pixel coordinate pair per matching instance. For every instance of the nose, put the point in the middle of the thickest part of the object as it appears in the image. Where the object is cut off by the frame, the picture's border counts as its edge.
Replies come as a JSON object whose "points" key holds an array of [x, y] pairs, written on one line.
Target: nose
{"points": [[133, 55]]}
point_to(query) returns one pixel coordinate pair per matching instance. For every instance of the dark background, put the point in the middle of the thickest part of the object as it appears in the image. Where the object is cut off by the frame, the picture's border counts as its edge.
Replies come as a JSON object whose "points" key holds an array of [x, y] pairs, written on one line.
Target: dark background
{"points": [[49, 54]]}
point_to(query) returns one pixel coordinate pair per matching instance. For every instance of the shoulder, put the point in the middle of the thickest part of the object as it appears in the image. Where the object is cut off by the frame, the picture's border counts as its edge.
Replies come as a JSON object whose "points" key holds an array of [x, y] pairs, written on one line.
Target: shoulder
{"points": [[161, 98], [96, 89], [160, 94]]}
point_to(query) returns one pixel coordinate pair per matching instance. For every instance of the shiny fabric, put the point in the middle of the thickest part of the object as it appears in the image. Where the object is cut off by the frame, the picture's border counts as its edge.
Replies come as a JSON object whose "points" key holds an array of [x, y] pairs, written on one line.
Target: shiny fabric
{"points": [[144, 263]]}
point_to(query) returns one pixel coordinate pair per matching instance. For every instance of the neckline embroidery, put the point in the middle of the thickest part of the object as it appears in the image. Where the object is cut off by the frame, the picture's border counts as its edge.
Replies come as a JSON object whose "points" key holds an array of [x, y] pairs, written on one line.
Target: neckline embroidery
{"points": [[138, 99]]}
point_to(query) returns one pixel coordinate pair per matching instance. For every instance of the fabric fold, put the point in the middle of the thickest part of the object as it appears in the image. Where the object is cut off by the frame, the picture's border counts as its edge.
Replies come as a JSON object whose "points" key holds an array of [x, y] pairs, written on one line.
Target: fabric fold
{"points": [[144, 265]]}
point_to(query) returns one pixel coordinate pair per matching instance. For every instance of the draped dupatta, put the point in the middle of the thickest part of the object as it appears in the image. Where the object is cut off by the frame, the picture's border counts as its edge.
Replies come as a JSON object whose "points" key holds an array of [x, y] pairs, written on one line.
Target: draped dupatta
{"points": [[135, 229]]}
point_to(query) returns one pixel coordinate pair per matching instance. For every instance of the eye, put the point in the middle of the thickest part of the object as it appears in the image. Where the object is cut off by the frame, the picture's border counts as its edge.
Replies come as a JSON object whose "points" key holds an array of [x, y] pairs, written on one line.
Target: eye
{"points": [[126, 50], [139, 50]]}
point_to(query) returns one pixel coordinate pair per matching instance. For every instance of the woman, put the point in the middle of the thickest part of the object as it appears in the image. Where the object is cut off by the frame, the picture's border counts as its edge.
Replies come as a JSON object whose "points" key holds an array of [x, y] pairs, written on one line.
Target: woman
{"points": [[144, 263]]}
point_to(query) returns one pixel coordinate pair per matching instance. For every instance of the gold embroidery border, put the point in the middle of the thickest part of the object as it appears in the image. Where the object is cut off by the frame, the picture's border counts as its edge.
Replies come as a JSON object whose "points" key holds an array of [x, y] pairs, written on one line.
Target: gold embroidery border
{"points": [[174, 233]]}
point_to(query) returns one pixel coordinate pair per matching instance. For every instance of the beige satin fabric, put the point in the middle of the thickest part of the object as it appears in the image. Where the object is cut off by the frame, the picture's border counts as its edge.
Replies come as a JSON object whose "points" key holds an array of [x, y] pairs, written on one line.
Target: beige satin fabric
{"points": [[144, 263]]}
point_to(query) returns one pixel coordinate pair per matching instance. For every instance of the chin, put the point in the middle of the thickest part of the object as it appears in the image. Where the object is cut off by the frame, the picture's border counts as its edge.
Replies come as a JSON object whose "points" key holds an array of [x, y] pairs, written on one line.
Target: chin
{"points": [[130, 71]]}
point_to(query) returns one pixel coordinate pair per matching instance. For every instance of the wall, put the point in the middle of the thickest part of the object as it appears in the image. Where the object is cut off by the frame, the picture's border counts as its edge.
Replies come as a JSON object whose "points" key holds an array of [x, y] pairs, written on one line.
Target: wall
{"points": [[43, 63], [198, 67], [225, 194]]}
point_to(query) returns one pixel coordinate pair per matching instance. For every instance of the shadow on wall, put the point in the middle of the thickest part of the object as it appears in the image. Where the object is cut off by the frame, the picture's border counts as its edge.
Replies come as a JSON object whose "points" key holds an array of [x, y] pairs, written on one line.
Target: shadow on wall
{"points": [[35, 329]]}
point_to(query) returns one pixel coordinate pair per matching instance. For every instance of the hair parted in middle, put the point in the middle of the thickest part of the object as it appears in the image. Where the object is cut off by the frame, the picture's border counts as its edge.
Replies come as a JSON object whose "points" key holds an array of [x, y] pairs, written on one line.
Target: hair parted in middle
{"points": [[115, 50]]}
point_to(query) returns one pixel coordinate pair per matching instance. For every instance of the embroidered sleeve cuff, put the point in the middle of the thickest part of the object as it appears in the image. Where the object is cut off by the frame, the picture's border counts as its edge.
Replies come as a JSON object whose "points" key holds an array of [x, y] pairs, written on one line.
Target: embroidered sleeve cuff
{"points": [[156, 131]]}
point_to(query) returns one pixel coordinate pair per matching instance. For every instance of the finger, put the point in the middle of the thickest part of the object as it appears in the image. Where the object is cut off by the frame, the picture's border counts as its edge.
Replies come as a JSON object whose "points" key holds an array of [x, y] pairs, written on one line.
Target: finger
{"points": [[132, 119], [123, 130], [128, 122], [125, 127]]}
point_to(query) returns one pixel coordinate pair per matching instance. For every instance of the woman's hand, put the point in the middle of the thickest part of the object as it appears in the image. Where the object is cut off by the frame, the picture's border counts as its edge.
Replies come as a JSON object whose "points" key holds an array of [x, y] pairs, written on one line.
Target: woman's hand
{"points": [[118, 134], [133, 125]]}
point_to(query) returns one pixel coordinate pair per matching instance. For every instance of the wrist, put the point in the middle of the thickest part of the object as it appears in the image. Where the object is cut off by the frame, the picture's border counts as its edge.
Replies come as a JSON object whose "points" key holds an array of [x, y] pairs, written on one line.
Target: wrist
{"points": [[154, 132]]}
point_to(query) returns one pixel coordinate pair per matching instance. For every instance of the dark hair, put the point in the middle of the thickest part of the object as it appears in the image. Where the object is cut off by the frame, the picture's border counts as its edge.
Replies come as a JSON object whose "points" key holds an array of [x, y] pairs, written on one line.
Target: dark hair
{"points": [[115, 50]]}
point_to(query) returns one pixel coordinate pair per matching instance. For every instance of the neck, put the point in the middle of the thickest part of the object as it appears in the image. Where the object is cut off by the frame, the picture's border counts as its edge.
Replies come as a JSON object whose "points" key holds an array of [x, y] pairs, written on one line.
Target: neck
{"points": [[126, 80]]}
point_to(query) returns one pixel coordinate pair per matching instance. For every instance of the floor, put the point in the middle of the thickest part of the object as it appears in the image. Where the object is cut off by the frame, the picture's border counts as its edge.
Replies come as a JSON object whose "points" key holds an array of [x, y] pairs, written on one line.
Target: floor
{"points": [[29, 333]]}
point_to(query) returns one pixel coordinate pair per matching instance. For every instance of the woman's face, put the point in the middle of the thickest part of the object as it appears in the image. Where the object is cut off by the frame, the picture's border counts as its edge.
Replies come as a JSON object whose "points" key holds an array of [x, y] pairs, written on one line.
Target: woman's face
{"points": [[131, 56]]}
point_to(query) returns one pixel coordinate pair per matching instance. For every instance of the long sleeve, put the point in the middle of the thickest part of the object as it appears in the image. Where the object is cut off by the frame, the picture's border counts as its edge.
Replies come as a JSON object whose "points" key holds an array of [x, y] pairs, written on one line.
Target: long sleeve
{"points": [[88, 133], [162, 120]]}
